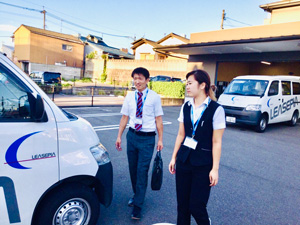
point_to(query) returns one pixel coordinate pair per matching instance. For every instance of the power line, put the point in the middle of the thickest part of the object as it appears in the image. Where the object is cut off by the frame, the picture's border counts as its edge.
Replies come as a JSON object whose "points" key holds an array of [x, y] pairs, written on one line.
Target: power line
{"points": [[82, 27], [238, 21], [77, 18], [21, 15], [20, 7], [66, 21]]}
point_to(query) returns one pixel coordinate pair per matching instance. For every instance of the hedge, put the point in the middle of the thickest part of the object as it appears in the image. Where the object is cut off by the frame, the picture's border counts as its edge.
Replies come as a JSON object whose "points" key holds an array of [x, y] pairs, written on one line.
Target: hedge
{"points": [[168, 89]]}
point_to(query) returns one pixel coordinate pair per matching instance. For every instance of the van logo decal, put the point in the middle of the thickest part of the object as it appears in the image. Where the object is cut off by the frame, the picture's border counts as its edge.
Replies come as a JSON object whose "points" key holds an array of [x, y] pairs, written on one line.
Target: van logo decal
{"points": [[11, 199], [284, 107], [12, 151], [232, 99], [268, 103]]}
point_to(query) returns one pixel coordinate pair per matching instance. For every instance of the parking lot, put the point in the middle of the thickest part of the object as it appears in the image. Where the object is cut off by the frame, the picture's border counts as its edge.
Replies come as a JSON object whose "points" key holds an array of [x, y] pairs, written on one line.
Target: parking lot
{"points": [[259, 174]]}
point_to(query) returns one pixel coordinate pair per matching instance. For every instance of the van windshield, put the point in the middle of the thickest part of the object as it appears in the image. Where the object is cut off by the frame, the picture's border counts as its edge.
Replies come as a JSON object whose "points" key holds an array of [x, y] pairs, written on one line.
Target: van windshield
{"points": [[247, 87]]}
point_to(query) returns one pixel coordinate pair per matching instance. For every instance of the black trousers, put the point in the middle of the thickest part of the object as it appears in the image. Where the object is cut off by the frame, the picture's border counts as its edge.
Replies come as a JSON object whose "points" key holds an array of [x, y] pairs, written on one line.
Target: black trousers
{"points": [[139, 152], [192, 189]]}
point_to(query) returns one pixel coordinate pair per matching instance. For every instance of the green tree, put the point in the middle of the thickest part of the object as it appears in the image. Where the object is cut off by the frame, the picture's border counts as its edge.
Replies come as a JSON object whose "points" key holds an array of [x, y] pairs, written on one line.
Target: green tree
{"points": [[104, 73], [92, 55]]}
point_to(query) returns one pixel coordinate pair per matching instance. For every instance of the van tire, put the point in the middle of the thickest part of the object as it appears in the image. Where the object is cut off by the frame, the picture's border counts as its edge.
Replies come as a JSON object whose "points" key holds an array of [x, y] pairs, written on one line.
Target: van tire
{"points": [[74, 199], [294, 119], [262, 124]]}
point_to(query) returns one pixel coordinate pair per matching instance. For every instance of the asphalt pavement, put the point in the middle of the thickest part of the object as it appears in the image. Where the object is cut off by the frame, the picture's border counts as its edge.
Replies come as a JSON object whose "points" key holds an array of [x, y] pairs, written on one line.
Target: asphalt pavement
{"points": [[259, 174]]}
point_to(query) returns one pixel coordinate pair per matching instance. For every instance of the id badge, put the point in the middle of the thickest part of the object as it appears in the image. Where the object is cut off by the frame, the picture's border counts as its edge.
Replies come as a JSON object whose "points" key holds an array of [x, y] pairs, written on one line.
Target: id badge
{"points": [[190, 142], [138, 120]]}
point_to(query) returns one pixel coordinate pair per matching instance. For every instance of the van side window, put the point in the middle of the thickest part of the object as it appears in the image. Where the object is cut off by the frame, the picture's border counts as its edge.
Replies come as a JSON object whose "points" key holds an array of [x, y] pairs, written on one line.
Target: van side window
{"points": [[286, 87], [296, 88], [273, 88], [14, 103]]}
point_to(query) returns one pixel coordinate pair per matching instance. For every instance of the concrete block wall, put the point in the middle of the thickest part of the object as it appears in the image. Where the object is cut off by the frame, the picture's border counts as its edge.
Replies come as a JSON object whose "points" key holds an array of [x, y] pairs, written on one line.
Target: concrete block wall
{"points": [[120, 70], [67, 72]]}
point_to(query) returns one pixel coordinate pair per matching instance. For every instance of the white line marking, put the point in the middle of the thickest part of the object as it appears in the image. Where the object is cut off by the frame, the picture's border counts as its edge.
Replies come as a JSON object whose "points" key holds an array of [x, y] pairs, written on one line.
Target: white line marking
{"points": [[89, 107], [116, 127], [99, 115]]}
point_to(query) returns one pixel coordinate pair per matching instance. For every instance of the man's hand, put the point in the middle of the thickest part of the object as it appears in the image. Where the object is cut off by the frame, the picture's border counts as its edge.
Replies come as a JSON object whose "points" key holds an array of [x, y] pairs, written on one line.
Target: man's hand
{"points": [[118, 144], [160, 145]]}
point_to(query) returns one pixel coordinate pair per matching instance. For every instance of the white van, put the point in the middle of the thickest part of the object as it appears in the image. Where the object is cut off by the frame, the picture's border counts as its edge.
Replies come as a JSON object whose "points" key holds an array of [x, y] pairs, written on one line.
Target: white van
{"points": [[261, 100], [53, 170]]}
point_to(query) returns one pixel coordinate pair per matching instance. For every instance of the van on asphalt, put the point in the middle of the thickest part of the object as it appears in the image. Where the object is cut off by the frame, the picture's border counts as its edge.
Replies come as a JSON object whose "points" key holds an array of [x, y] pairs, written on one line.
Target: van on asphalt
{"points": [[261, 100], [54, 170]]}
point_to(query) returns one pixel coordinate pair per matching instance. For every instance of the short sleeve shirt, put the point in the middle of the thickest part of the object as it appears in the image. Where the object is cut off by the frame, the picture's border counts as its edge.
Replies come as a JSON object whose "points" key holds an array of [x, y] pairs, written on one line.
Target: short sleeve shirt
{"points": [[218, 118], [151, 108]]}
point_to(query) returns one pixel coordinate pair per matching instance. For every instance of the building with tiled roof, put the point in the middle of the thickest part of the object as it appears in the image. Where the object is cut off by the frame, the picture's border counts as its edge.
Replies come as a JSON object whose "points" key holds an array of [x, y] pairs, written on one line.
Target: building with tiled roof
{"points": [[94, 43], [144, 48], [43, 47]]}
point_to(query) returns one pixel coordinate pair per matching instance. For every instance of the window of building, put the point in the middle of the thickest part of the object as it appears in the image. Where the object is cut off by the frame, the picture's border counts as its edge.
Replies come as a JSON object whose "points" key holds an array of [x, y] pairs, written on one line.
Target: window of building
{"points": [[25, 66], [296, 88], [68, 48]]}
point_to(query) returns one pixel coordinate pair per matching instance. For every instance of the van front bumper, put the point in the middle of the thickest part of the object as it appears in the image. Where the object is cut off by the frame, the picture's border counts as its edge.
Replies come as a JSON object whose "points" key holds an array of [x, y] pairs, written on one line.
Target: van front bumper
{"points": [[104, 186], [242, 116]]}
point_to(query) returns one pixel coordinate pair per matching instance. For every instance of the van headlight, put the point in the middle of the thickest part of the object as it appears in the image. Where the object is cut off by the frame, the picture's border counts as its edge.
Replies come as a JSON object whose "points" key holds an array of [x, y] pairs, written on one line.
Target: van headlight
{"points": [[100, 154], [253, 107]]}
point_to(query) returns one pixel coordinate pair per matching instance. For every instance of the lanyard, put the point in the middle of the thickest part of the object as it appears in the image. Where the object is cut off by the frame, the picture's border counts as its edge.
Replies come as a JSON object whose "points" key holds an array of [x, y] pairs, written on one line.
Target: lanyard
{"points": [[192, 118], [136, 93]]}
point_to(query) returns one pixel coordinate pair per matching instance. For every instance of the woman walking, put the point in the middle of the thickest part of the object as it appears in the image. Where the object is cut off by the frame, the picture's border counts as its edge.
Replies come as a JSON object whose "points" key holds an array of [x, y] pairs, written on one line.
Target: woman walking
{"points": [[197, 149]]}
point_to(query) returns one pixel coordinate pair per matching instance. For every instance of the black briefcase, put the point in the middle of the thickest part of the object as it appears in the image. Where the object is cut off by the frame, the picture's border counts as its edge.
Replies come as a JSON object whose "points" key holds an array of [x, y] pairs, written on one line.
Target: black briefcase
{"points": [[157, 172]]}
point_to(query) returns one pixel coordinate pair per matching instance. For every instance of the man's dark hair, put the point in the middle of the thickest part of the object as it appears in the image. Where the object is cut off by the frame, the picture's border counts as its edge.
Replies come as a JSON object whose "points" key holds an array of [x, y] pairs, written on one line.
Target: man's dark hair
{"points": [[141, 70]]}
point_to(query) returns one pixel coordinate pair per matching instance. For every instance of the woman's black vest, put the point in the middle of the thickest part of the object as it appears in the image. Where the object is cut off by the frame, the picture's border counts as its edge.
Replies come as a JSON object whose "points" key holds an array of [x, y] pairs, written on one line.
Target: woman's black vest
{"points": [[202, 155]]}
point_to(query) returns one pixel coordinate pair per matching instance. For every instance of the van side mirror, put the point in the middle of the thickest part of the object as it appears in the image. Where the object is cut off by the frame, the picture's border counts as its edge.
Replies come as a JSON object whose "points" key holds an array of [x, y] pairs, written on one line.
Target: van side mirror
{"points": [[37, 108]]}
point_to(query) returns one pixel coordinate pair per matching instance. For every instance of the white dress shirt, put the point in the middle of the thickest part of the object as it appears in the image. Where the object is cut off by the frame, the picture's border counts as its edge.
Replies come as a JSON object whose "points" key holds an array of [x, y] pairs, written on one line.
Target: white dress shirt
{"points": [[151, 109], [218, 119]]}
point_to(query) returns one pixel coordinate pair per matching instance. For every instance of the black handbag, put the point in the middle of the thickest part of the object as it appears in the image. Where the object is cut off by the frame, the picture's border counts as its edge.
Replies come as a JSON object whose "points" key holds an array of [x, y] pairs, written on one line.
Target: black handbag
{"points": [[157, 172]]}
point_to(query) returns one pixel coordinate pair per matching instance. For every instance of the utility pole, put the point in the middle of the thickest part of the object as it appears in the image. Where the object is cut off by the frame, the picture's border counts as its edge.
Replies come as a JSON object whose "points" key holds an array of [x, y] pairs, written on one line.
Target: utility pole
{"points": [[44, 12], [223, 18]]}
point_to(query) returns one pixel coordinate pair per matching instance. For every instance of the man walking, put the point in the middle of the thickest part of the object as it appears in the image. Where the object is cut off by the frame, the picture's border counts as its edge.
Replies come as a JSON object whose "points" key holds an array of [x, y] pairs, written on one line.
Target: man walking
{"points": [[144, 111]]}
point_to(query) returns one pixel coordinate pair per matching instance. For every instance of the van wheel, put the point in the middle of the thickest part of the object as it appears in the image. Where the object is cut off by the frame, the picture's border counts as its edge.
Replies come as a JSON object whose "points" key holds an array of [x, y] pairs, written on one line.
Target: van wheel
{"points": [[294, 119], [71, 204], [262, 124]]}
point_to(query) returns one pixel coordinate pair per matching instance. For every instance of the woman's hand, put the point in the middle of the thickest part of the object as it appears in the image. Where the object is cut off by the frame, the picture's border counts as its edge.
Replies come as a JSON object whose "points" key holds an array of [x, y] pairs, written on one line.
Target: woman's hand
{"points": [[213, 177], [172, 166]]}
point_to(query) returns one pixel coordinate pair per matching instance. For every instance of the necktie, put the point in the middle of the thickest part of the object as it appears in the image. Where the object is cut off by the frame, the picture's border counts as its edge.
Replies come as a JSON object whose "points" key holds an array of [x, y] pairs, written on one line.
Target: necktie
{"points": [[139, 112]]}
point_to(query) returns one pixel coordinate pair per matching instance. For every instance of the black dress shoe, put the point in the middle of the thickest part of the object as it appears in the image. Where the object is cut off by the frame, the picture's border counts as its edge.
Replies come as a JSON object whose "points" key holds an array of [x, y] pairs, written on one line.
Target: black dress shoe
{"points": [[130, 202], [136, 213]]}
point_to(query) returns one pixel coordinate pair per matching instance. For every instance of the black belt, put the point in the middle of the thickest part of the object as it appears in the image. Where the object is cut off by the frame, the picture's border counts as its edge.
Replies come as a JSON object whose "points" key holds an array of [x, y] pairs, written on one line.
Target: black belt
{"points": [[141, 133]]}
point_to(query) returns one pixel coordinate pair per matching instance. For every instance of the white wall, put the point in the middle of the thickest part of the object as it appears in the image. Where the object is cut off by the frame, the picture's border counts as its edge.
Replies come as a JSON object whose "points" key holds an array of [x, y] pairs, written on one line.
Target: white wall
{"points": [[8, 51], [172, 41], [285, 15], [88, 49], [144, 48]]}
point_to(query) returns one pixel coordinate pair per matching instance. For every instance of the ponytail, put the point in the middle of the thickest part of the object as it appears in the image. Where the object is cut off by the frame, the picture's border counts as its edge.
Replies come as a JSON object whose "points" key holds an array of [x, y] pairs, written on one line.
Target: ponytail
{"points": [[211, 94]]}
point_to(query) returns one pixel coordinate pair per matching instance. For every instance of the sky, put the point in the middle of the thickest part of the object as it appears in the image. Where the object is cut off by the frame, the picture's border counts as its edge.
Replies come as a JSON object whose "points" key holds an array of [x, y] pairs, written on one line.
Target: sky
{"points": [[129, 19]]}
